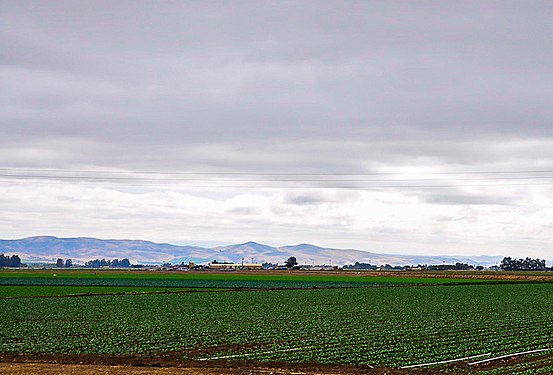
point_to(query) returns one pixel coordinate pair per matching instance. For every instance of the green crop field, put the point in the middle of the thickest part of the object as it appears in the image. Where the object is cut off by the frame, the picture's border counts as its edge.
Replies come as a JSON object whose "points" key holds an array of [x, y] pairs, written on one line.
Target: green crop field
{"points": [[17, 291], [229, 280], [387, 327]]}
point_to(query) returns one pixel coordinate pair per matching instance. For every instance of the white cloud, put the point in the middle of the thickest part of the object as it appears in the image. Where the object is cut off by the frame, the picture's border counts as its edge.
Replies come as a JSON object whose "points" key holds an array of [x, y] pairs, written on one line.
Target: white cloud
{"points": [[377, 221]]}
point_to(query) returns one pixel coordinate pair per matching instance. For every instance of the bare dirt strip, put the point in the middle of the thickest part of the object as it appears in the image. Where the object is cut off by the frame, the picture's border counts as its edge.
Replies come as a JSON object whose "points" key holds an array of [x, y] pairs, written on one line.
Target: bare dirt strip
{"points": [[44, 364], [89, 365], [76, 369]]}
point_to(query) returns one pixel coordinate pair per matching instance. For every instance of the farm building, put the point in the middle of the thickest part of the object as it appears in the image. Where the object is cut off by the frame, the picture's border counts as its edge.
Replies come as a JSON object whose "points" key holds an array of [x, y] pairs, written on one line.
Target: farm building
{"points": [[235, 266]]}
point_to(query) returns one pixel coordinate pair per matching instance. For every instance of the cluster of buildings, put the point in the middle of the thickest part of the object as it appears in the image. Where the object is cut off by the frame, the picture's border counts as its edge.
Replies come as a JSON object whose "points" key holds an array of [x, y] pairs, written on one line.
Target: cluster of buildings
{"points": [[229, 266]]}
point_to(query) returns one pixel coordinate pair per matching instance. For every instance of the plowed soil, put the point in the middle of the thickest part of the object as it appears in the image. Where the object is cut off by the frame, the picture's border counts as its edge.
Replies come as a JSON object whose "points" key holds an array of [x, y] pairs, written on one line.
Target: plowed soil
{"points": [[77, 369]]}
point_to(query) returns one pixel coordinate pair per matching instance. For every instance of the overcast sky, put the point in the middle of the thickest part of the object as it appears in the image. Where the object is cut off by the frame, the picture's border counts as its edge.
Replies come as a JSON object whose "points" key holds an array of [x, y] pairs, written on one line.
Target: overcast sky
{"points": [[414, 98]]}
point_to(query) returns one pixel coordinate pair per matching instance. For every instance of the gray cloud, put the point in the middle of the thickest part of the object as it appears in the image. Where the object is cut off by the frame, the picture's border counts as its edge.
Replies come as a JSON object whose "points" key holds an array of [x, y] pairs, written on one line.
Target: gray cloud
{"points": [[244, 211], [398, 77], [302, 197], [459, 198]]}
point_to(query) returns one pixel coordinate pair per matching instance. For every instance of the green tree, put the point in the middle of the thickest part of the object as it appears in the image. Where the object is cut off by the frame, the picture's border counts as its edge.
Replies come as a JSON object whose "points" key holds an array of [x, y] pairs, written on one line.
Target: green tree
{"points": [[13, 261], [291, 262]]}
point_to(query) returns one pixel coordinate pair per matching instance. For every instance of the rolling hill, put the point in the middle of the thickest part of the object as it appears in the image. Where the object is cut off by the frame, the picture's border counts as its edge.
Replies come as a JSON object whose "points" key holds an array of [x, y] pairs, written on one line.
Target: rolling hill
{"points": [[81, 249]]}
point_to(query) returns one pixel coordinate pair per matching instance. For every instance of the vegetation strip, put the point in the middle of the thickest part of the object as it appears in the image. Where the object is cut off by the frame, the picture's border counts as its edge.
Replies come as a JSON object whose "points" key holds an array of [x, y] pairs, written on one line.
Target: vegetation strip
{"points": [[385, 327], [446, 361], [508, 356]]}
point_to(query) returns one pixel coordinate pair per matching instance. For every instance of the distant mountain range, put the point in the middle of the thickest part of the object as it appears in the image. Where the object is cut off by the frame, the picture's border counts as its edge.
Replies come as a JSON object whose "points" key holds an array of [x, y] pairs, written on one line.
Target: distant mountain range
{"points": [[48, 248]]}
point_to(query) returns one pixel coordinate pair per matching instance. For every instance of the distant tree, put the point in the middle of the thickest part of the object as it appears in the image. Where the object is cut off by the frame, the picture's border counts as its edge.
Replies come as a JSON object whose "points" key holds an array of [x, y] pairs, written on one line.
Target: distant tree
{"points": [[97, 263], [13, 261], [528, 264], [451, 267], [463, 267], [68, 263], [59, 262], [360, 266], [125, 262], [291, 262]]}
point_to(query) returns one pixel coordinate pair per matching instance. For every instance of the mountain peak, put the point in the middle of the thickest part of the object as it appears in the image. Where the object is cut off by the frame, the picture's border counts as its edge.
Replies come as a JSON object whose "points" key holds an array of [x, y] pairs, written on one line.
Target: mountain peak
{"points": [[85, 248], [303, 246], [40, 238], [251, 243]]}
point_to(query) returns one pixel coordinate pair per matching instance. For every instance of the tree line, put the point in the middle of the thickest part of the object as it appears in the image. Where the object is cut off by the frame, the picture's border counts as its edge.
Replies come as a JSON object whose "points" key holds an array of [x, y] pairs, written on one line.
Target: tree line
{"points": [[7, 261], [60, 263], [528, 264], [115, 263]]}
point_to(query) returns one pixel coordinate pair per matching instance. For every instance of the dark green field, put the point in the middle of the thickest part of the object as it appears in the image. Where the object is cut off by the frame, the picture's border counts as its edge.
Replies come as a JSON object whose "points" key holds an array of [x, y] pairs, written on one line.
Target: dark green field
{"points": [[28, 283], [90, 281], [398, 323], [17, 291]]}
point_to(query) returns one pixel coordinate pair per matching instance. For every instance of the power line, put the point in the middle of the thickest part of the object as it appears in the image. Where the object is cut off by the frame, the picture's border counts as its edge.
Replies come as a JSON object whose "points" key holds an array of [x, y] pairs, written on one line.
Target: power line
{"points": [[219, 186], [261, 180], [136, 178], [223, 173]]}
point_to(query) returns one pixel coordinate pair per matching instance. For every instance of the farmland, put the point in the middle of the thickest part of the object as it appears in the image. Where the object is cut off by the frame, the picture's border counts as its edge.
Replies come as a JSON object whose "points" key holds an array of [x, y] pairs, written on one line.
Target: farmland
{"points": [[398, 324], [49, 283], [17, 291], [264, 276]]}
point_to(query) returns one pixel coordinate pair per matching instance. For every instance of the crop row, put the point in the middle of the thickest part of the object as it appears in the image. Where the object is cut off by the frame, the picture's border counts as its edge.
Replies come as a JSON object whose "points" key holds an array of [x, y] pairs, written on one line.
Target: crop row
{"points": [[536, 364], [376, 326], [189, 283], [16, 291]]}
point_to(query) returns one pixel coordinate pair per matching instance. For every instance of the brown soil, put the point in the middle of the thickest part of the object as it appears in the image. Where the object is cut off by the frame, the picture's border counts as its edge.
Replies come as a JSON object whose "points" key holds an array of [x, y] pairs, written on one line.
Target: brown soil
{"points": [[96, 364], [72, 369], [169, 365], [58, 369], [476, 275]]}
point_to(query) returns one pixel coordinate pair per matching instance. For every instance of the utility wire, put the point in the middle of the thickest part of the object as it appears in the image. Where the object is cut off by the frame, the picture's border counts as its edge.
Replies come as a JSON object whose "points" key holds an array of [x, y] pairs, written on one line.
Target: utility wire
{"points": [[137, 178], [262, 180], [15, 170], [336, 186]]}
